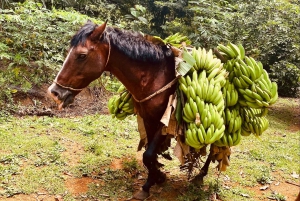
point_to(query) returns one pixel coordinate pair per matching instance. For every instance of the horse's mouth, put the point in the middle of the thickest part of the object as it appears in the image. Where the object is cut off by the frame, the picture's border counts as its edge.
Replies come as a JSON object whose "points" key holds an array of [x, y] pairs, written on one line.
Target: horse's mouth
{"points": [[62, 97], [68, 100]]}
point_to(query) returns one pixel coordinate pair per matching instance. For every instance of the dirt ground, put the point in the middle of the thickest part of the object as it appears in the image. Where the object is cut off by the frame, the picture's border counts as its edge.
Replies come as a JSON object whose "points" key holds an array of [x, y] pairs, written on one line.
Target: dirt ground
{"points": [[90, 101]]}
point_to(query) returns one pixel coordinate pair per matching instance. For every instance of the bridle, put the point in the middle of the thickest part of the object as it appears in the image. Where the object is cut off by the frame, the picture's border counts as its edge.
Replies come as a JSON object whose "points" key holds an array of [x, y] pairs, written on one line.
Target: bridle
{"points": [[74, 89]]}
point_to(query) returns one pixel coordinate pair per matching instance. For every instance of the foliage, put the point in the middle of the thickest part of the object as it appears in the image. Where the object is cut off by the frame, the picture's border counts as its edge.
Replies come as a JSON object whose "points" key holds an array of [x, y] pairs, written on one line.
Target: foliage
{"points": [[31, 51], [269, 30], [287, 76], [209, 24], [137, 18]]}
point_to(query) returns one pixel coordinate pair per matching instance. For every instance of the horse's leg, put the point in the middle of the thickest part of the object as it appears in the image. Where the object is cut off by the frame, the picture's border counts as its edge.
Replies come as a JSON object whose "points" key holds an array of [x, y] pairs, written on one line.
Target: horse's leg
{"points": [[198, 180], [150, 161]]}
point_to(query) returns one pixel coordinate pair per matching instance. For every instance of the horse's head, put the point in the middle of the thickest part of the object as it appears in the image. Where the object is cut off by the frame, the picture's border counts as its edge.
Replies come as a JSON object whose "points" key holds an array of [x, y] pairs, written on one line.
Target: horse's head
{"points": [[86, 60]]}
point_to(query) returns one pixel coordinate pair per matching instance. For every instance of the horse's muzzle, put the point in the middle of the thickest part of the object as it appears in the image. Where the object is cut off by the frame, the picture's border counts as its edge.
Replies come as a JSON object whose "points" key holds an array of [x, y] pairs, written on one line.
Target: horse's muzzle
{"points": [[63, 97]]}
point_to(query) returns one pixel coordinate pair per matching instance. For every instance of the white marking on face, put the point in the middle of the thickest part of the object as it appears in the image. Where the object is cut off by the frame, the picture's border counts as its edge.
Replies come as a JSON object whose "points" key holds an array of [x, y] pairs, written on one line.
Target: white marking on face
{"points": [[63, 64]]}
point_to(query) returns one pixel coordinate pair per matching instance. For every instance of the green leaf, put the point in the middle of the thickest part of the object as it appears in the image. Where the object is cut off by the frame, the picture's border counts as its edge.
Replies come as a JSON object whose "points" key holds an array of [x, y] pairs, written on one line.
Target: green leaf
{"points": [[135, 13], [142, 19], [183, 68], [188, 58], [5, 56]]}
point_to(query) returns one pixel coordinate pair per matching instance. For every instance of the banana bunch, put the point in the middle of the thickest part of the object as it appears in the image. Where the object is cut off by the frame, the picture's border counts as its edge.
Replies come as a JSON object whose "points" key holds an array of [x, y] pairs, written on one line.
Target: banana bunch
{"points": [[202, 87], [254, 121], [262, 93], [176, 40], [230, 94], [256, 126], [199, 93], [229, 139], [249, 78], [230, 99], [198, 136], [232, 51], [120, 106], [232, 119], [205, 60]]}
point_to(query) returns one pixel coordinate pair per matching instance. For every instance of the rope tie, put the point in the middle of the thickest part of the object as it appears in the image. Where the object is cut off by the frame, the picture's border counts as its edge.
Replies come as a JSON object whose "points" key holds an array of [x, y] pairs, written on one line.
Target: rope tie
{"points": [[169, 85]]}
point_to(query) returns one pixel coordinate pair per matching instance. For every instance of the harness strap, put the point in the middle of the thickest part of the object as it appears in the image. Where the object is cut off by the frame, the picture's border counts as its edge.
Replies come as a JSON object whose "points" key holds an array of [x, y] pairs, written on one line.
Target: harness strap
{"points": [[169, 85]]}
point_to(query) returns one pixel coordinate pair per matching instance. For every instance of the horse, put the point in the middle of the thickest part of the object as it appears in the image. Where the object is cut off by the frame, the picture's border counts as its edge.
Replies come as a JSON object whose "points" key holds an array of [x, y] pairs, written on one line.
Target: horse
{"points": [[142, 66]]}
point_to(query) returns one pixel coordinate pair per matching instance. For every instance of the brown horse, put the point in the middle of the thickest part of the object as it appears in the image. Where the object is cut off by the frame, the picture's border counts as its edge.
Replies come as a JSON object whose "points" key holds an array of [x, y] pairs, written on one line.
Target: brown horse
{"points": [[143, 67]]}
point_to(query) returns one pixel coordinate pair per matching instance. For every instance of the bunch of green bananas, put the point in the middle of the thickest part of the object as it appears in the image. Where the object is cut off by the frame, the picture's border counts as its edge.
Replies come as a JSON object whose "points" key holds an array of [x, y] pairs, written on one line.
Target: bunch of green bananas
{"points": [[198, 136], [249, 77], [176, 40], [230, 94], [204, 99], [254, 121], [262, 93], [200, 88], [233, 123], [205, 60], [233, 119], [232, 51], [229, 139], [120, 106], [224, 104]]}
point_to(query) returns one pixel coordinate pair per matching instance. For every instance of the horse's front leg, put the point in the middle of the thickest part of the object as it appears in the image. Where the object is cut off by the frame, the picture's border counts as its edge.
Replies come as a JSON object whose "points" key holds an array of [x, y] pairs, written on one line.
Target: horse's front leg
{"points": [[150, 161]]}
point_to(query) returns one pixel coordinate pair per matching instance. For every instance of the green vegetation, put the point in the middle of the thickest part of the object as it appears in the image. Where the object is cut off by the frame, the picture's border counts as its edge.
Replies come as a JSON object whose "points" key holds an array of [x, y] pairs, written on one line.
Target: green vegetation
{"points": [[35, 35], [35, 151], [33, 44], [41, 154]]}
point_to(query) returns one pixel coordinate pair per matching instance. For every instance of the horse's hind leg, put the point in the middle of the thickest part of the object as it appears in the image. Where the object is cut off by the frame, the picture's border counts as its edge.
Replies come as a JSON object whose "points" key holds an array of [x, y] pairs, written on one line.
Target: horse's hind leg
{"points": [[198, 180], [150, 161]]}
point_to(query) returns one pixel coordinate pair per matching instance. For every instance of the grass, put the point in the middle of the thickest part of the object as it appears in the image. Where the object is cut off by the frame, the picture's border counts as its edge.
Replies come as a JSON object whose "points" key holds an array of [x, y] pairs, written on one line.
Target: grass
{"points": [[39, 154]]}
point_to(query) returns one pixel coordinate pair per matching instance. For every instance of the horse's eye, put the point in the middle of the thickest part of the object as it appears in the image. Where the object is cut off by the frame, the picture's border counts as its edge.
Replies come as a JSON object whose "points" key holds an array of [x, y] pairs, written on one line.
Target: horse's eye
{"points": [[81, 56]]}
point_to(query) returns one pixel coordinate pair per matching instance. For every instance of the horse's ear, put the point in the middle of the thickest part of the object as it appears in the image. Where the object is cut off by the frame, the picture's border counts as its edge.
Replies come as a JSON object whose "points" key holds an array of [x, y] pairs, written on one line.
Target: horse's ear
{"points": [[98, 31]]}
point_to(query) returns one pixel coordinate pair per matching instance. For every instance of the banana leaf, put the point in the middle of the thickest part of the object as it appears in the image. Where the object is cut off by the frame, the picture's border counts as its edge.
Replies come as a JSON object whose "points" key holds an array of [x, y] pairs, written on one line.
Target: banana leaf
{"points": [[187, 57], [183, 68]]}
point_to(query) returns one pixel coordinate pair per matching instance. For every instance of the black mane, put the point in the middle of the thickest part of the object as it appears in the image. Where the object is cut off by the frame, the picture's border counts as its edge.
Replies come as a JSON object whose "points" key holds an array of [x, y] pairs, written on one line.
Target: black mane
{"points": [[84, 32], [132, 44]]}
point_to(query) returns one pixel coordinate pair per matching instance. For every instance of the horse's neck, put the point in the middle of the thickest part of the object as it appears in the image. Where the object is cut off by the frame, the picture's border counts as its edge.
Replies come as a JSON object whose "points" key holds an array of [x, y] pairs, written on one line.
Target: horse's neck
{"points": [[140, 78]]}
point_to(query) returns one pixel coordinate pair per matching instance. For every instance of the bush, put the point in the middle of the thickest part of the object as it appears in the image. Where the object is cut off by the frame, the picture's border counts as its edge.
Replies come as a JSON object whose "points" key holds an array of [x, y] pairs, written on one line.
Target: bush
{"points": [[33, 45], [287, 76]]}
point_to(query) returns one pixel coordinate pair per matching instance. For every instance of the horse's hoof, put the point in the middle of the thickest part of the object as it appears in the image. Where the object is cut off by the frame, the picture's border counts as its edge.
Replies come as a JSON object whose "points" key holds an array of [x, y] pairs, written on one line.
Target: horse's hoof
{"points": [[198, 180], [161, 178], [141, 195]]}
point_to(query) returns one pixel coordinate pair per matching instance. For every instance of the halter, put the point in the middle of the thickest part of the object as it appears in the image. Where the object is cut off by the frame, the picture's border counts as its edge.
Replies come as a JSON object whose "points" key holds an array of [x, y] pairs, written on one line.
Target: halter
{"points": [[73, 89]]}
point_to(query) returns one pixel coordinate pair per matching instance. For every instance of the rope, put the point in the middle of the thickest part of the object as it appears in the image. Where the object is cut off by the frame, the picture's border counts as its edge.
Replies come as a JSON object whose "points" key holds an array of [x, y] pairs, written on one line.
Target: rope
{"points": [[70, 88], [169, 85]]}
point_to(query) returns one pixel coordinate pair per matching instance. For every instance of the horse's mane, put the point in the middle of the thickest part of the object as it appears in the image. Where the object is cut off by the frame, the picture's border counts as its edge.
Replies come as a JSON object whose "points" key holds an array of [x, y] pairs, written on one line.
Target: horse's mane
{"points": [[132, 44]]}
